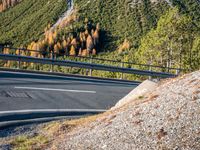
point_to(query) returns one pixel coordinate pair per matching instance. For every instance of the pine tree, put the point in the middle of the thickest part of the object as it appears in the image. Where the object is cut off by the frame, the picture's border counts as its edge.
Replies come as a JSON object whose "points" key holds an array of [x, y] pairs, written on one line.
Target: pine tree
{"points": [[64, 44], [96, 38], [72, 51], [56, 49], [50, 38], [89, 43], [80, 52], [74, 43], [94, 52], [170, 44]]}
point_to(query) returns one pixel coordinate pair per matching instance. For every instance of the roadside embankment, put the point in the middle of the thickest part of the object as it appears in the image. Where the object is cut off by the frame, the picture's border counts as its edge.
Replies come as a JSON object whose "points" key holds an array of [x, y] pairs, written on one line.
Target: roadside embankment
{"points": [[164, 115], [168, 117]]}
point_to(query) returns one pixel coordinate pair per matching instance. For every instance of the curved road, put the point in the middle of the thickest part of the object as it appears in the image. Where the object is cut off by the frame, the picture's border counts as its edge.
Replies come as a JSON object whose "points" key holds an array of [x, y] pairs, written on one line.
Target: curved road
{"points": [[27, 91]]}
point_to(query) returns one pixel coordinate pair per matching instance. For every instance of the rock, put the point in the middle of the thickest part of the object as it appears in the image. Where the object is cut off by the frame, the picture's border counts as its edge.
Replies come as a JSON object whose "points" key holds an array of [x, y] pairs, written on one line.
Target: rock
{"points": [[145, 87]]}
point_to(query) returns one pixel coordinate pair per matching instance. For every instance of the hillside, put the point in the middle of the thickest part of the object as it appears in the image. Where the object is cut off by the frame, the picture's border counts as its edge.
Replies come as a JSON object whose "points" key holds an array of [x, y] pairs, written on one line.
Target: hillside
{"points": [[166, 118], [156, 32], [123, 19], [136, 20], [5, 4], [26, 21]]}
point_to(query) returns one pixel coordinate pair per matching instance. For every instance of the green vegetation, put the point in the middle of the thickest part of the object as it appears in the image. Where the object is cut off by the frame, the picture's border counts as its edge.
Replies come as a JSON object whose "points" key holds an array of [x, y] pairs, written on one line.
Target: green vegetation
{"points": [[122, 19], [176, 33], [26, 21], [164, 33], [174, 43], [189, 7], [5, 4], [27, 143]]}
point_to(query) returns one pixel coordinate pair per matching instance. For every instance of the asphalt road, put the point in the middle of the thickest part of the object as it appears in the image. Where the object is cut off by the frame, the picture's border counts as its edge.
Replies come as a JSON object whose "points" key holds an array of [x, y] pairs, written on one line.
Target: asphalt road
{"points": [[29, 91]]}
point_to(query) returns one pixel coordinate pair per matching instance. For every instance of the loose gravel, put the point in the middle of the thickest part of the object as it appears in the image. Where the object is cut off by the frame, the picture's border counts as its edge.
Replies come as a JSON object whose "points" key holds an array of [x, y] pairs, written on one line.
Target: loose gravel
{"points": [[10, 133], [167, 118]]}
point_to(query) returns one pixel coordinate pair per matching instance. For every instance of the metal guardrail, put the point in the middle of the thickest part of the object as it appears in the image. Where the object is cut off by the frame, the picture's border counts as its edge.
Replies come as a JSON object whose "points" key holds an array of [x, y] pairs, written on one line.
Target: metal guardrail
{"points": [[15, 54], [53, 54], [84, 65]]}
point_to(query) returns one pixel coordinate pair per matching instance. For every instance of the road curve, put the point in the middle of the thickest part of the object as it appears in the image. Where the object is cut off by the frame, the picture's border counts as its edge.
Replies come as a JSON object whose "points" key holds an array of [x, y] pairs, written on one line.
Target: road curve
{"points": [[32, 91]]}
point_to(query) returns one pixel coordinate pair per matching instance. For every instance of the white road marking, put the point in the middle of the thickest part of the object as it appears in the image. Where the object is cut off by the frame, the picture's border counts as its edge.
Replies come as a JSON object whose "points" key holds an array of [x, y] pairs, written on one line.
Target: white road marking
{"points": [[59, 90], [51, 110]]}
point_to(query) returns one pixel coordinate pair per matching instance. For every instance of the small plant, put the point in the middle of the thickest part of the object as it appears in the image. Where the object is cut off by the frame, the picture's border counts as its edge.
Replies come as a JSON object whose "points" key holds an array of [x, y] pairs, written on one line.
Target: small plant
{"points": [[141, 97], [27, 143]]}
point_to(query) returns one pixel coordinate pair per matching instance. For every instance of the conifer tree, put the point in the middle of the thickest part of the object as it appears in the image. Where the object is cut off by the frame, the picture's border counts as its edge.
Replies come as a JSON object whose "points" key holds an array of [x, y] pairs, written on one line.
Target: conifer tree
{"points": [[80, 52], [74, 43], [72, 51], [94, 52], [96, 38], [89, 43]]}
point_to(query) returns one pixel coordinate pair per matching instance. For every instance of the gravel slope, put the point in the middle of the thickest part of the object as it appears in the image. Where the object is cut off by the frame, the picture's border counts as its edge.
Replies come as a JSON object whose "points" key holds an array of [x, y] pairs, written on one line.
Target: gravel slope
{"points": [[167, 118], [70, 8]]}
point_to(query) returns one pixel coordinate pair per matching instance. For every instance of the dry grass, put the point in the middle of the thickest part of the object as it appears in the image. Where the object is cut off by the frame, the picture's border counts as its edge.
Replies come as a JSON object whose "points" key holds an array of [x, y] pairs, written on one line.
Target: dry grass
{"points": [[44, 138], [29, 143], [124, 46]]}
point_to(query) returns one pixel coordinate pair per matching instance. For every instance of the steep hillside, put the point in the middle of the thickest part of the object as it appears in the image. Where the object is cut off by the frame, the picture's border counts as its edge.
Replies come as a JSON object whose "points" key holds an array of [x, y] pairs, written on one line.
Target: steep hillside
{"points": [[5, 4], [157, 32], [175, 42], [139, 22], [123, 19], [190, 7], [26, 21], [165, 118]]}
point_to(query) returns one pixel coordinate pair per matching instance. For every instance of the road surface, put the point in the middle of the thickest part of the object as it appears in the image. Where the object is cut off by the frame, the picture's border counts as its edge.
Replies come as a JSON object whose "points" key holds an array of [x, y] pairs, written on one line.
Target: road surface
{"points": [[30, 91]]}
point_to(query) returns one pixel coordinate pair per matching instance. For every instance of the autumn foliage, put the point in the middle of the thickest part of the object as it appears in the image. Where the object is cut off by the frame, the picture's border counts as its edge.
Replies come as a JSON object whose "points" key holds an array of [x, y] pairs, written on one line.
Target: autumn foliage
{"points": [[83, 42], [4, 4]]}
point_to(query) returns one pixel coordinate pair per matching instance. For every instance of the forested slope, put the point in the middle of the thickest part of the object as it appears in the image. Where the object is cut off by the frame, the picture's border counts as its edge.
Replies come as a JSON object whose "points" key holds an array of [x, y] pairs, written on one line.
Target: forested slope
{"points": [[5, 4], [26, 21], [123, 19], [157, 32]]}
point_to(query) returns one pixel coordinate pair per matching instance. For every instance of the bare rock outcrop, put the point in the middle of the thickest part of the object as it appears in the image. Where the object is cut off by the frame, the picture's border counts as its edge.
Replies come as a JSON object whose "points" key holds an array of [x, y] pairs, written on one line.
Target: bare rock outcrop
{"points": [[145, 87]]}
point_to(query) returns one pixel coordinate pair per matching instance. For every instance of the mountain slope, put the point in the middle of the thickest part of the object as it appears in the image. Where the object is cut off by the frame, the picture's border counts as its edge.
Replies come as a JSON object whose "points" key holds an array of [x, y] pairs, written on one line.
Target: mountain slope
{"points": [[123, 19], [26, 21], [126, 27], [173, 43], [5, 4]]}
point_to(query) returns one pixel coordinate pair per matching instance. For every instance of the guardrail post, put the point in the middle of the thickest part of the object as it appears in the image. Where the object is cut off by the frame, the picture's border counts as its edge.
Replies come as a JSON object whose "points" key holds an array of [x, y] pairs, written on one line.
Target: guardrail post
{"points": [[150, 69], [122, 75], [19, 62], [90, 72], [177, 71], [52, 57]]}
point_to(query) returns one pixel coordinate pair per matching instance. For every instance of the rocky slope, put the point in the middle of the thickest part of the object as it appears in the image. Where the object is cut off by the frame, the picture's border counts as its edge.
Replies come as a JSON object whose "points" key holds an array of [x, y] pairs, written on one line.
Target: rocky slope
{"points": [[167, 118], [5, 4]]}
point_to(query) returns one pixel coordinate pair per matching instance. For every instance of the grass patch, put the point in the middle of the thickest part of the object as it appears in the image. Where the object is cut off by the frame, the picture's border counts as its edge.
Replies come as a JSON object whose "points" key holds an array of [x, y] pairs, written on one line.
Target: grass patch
{"points": [[28, 143], [141, 97], [52, 130]]}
